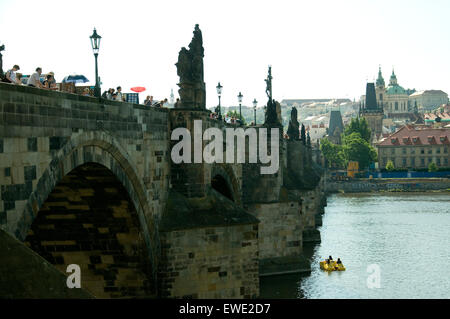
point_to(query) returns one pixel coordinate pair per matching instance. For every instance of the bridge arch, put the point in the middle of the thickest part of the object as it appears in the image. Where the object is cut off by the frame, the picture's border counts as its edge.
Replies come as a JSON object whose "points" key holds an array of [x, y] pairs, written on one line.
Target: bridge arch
{"points": [[102, 149], [224, 180]]}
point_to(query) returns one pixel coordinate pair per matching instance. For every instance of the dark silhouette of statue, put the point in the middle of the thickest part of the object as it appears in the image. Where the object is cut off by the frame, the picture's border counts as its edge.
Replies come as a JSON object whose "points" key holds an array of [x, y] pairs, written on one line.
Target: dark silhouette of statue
{"points": [[271, 113], [2, 48], [197, 51], [271, 108], [269, 84], [293, 128], [308, 140], [190, 70], [303, 134], [184, 66]]}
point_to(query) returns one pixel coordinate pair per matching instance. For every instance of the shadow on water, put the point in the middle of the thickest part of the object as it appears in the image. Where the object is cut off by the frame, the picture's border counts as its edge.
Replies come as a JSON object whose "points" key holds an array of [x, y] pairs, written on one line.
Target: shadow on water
{"points": [[286, 286]]}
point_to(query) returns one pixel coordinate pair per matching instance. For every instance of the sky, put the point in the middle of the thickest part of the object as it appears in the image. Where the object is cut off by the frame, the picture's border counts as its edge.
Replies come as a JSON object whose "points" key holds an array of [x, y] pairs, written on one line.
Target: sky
{"points": [[317, 49]]}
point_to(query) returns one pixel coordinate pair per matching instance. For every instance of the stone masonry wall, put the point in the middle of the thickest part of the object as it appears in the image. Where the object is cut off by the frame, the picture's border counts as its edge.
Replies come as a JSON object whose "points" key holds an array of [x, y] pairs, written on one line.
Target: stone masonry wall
{"points": [[191, 179], [280, 229], [89, 220], [19, 269], [213, 262], [405, 185]]}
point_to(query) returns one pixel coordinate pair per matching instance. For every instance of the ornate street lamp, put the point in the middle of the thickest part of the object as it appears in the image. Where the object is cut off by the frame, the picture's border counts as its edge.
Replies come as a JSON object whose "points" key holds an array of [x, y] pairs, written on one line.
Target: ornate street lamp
{"points": [[255, 103], [240, 96], [219, 93], [95, 42]]}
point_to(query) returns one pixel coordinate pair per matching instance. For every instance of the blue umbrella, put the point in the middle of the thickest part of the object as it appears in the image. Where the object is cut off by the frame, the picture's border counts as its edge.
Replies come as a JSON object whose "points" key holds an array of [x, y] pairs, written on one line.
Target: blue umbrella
{"points": [[75, 79]]}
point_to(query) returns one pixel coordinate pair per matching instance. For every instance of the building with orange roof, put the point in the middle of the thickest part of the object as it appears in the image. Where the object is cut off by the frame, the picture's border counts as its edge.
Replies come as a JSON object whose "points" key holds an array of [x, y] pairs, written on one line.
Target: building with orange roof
{"points": [[439, 116], [415, 147], [316, 132]]}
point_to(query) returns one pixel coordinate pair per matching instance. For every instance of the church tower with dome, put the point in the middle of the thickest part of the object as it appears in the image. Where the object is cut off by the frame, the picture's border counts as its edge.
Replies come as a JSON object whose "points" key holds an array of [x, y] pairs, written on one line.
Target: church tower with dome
{"points": [[396, 97]]}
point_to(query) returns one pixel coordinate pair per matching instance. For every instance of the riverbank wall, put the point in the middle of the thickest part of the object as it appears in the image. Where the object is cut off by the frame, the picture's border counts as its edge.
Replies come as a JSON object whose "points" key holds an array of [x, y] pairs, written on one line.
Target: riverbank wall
{"points": [[388, 185]]}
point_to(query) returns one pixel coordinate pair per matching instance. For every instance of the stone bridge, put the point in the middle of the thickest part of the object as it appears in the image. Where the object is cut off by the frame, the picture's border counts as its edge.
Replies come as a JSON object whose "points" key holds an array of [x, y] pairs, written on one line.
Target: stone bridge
{"points": [[89, 181]]}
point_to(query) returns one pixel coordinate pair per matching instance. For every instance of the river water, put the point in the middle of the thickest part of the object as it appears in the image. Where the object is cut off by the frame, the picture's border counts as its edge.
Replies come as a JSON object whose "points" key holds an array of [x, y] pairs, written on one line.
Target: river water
{"points": [[393, 245]]}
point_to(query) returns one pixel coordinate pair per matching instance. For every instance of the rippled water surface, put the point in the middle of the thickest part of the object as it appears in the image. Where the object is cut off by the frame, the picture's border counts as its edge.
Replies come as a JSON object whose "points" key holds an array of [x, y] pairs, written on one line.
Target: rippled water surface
{"points": [[406, 235]]}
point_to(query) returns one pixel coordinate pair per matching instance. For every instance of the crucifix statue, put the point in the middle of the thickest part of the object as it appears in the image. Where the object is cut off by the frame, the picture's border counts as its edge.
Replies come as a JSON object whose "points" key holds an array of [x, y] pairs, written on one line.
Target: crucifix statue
{"points": [[271, 112], [269, 84]]}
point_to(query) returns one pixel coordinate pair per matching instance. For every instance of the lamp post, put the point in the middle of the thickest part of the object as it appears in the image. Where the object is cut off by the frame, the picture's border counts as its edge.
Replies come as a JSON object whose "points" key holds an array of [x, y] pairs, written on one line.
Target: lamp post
{"points": [[255, 103], [240, 96], [219, 93], [95, 42]]}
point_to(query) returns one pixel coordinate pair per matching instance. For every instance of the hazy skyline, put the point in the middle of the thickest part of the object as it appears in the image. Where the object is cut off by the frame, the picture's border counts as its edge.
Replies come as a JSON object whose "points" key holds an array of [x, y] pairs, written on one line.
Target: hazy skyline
{"points": [[320, 49]]}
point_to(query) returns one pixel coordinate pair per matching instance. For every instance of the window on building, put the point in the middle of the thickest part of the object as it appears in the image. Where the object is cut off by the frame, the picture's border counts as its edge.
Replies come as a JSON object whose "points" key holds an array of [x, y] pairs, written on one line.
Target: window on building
{"points": [[422, 161], [445, 150], [429, 160], [438, 161], [430, 151], [438, 150], [413, 162], [393, 151], [413, 151], [396, 106], [404, 150], [445, 161], [422, 151], [404, 161]]}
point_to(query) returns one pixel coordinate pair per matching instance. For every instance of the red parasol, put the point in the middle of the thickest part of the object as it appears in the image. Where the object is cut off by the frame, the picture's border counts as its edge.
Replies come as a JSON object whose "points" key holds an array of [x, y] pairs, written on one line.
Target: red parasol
{"points": [[138, 89]]}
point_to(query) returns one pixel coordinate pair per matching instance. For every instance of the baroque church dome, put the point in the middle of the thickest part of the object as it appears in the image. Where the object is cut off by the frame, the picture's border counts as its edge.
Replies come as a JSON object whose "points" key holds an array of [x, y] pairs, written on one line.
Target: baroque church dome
{"points": [[393, 87]]}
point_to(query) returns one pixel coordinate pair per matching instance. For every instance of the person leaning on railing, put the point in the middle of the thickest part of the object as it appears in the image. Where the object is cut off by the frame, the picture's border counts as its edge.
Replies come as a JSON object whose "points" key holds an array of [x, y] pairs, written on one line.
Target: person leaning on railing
{"points": [[10, 75], [148, 100], [34, 79], [50, 82], [19, 78]]}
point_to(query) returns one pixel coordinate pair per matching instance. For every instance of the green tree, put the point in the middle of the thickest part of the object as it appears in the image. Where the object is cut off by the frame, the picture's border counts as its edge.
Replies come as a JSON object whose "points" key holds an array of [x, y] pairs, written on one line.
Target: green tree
{"points": [[356, 148], [432, 167], [332, 153], [390, 166], [358, 126]]}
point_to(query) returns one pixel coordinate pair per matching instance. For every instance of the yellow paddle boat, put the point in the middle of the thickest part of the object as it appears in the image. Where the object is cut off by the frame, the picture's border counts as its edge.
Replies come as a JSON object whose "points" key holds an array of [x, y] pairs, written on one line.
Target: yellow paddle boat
{"points": [[332, 265]]}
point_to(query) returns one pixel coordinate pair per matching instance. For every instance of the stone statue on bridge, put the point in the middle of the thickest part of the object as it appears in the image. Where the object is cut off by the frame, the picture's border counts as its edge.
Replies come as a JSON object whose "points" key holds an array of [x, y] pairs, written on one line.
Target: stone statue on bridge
{"points": [[190, 70], [271, 118], [2, 48], [294, 126]]}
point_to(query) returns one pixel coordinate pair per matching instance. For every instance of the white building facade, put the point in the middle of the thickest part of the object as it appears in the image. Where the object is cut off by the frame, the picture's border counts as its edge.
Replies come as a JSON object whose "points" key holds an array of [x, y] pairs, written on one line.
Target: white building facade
{"points": [[428, 100]]}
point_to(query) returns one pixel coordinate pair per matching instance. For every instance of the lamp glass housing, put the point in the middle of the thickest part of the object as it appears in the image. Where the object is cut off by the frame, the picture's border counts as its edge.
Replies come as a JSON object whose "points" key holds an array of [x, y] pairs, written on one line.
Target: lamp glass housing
{"points": [[240, 96], [95, 41], [219, 89]]}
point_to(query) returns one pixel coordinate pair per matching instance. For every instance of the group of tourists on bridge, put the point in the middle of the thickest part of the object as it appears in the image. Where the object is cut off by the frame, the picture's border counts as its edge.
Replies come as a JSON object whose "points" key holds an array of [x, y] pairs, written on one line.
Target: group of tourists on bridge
{"points": [[114, 95], [14, 77], [227, 118], [150, 102], [48, 82]]}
